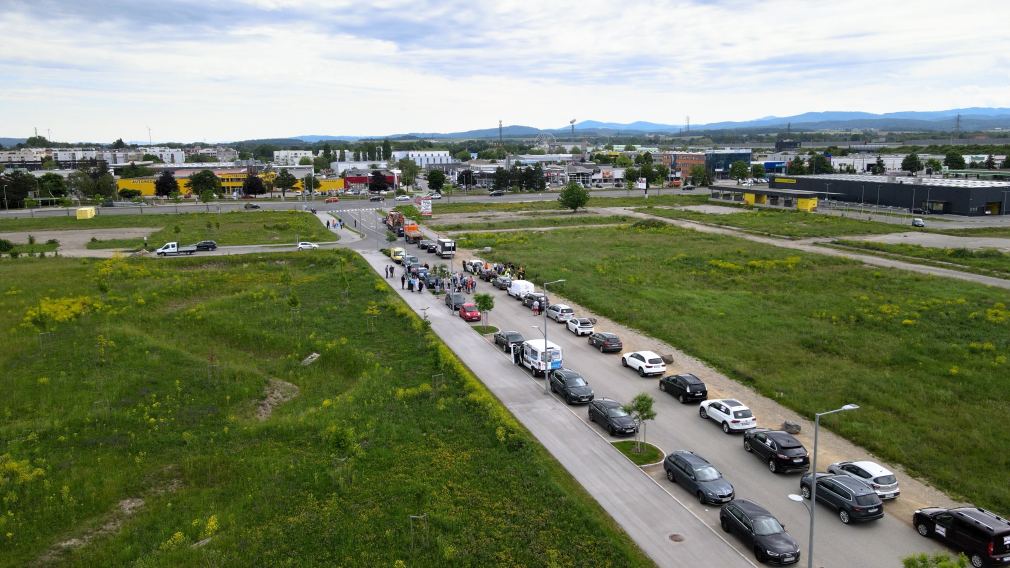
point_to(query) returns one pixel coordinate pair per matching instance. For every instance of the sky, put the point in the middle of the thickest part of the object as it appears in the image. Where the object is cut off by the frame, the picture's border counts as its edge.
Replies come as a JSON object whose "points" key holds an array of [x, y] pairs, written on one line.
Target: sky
{"points": [[228, 70]]}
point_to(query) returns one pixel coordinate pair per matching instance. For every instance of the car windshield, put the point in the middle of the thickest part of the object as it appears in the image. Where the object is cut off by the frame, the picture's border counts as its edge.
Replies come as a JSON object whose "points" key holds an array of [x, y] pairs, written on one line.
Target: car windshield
{"points": [[885, 480], [868, 499], [707, 473], [514, 337], [655, 361], [585, 322], [764, 526], [617, 412], [576, 382], [742, 414]]}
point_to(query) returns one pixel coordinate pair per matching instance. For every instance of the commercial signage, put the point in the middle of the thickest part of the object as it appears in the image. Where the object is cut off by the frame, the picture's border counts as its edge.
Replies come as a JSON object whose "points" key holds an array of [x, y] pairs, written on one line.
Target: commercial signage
{"points": [[426, 207], [785, 180], [640, 184]]}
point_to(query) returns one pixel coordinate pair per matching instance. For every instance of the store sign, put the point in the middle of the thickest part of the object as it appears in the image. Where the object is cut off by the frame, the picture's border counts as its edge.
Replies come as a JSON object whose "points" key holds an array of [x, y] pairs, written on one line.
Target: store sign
{"points": [[426, 207]]}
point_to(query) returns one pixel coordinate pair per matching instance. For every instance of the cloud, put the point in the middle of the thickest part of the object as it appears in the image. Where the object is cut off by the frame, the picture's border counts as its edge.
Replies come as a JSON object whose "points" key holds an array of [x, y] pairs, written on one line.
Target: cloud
{"points": [[262, 68]]}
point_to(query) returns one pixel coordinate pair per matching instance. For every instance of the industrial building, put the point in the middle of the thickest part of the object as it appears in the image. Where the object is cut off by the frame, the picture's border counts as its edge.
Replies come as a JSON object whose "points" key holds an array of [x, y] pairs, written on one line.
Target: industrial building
{"points": [[970, 197]]}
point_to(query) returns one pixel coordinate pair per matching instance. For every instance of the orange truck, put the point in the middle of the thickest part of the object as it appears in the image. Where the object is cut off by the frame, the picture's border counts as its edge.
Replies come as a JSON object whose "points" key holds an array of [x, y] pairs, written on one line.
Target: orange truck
{"points": [[411, 231]]}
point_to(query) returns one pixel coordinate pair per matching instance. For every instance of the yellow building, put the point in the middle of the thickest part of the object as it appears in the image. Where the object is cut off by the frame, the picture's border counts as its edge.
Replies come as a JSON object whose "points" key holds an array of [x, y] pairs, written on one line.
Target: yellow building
{"points": [[231, 181]]}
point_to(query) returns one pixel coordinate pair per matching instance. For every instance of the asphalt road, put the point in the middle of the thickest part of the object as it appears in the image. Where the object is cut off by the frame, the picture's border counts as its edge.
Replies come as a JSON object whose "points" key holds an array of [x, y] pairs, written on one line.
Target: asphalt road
{"points": [[647, 515]]}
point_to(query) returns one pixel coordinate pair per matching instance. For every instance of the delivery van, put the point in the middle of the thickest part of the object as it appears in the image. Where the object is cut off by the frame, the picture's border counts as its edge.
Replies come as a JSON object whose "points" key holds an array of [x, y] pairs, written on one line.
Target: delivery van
{"points": [[519, 288]]}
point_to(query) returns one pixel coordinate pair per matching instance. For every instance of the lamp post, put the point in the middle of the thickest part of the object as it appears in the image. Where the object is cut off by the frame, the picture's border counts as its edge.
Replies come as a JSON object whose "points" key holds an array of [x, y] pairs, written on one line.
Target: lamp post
{"points": [[813, 478], [546, 350]]}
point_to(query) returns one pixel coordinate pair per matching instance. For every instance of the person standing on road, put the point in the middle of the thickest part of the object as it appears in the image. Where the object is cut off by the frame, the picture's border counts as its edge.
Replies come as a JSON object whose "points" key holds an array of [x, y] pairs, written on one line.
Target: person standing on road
{"points": [[515, 354], [420, 286], [536, 307], [403, 281]]}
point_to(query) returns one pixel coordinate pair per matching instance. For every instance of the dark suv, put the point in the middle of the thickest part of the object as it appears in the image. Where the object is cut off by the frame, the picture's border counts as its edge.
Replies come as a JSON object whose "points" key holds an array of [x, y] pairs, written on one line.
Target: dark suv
{"points": [[612, 416], [570, 385], [605, 341], [760, 531], [983, 536], [696, 475], [454, 300], [778, 449], [686, 387], [506, 339], [853, 499], [528, 300]]}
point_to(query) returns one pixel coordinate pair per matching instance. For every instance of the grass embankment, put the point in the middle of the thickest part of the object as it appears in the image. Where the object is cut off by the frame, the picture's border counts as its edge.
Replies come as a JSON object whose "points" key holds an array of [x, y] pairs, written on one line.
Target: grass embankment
{"points": [[235, 228], [443, 208], [999, 232], [990, 262], [649, 454], [535, 223], [794, 224], [924, 357], [147, 386]]}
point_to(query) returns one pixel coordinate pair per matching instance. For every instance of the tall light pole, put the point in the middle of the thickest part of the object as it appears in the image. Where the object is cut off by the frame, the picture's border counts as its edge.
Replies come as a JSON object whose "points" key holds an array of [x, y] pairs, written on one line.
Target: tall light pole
{"points": [[546, 350], [813, 480]]}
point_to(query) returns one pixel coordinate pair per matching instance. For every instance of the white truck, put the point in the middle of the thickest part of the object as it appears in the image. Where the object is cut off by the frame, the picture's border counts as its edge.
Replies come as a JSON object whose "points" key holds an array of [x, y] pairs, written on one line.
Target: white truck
{"points": [[519, 288], [173, 249], [539, 356], [445, 248]]}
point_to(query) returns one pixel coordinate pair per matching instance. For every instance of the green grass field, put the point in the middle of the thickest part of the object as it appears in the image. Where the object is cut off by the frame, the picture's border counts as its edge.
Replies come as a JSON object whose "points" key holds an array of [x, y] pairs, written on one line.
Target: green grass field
{"points": [[649, 454], [443, 207], [236, 228], [795, 224], [137, 379], [926, 358], [983, 261], [1003, 232], [536, 222]]}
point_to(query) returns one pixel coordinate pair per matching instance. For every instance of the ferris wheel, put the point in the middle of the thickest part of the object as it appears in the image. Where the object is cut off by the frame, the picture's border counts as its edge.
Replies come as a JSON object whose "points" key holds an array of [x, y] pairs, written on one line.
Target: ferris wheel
{"points": [[546, 141]]}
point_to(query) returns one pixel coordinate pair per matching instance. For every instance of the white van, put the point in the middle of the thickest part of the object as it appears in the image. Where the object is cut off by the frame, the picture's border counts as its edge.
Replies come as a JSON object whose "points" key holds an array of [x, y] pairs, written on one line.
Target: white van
{"points": [[445, 248], [519, 288], [540, 355]]}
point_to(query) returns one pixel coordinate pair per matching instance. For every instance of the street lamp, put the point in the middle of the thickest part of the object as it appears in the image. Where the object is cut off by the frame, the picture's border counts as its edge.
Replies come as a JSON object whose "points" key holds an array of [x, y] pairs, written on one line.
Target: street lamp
{"points": [[813, 478], [546, 350]]}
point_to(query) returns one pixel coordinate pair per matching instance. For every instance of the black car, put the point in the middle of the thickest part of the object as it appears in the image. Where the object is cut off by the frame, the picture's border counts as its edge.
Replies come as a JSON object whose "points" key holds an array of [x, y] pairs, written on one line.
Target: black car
{"points": [[423, 244], [431, 280], [853, 499], [697, 476], [528, 300], [432, 246], [496, 193], [780, 450], [251, 206], [206, 245], [760, 531], [502, 282], [488, 274], [982, 535], [686, 387], [605, 341], [570, 385], [612, 416], [506, 339], [453, 300], [376, 198]]}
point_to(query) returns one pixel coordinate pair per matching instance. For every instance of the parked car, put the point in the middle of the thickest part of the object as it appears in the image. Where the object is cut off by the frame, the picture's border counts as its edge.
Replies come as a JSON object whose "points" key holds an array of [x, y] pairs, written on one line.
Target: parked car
{"points": [[206, 245], [376, 198], [605, 341], [502, 282], [612, 416], [402, 198], [731, 414], [982, 535], [760, 531], [698, 477], [410, 260], [531, 297], [873, 474], [686, 387], [423, 244], [488, 274], [454, 300], [496, 193], [645, 362], [332, 200], [580, 326], [570, 385], [430, 280], [560, 312], [918, 222], [506, 339], [432, 246], [434, 195], [853, 499], [250, 206], [780, 450], [396, 253], [306, 245], [469, 312]]}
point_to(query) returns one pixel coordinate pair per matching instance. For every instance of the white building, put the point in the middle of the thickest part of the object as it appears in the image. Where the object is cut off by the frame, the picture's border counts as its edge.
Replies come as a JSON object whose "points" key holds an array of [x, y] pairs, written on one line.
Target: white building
{"points": [[167, 155], [424, 158], [340, 167], [291, 157]]}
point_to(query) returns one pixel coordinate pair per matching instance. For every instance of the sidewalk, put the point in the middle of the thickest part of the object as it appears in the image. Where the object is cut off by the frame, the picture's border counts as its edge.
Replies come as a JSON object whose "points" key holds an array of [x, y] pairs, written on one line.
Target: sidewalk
{"points": [[345, 235]]}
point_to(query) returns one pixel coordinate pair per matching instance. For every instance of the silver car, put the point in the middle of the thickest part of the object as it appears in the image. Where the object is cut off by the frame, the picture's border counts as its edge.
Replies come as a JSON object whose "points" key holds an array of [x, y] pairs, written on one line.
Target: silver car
{"points": [[879, 478]]}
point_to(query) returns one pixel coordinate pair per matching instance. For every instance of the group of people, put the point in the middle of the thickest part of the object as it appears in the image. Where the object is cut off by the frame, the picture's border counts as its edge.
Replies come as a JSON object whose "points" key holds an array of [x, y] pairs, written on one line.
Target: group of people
{"points": [[508, 270], [337, 223]]}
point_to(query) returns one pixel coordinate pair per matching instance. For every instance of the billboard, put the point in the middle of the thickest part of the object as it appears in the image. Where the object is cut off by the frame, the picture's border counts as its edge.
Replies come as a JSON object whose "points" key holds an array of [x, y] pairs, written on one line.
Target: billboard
{"points": [[426, 207], [640, 184]]}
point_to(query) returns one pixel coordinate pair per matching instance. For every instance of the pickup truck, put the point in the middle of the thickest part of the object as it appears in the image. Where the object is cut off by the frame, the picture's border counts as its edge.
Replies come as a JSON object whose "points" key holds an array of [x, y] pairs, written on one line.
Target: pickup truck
{"points": [[173, 249]]}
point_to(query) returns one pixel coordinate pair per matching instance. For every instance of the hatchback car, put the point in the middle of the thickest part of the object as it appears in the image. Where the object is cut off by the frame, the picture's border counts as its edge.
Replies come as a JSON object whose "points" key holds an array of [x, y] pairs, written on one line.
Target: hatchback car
{"points": [[731, 414], [502, 282], [645, 362], [434, 195], [402, 198], [469, 312], [506, 339], [612, 416], [580, 326], [206, 245], [332, 200], [780, 450], [605, 341], [305, 245], [876, 476], [454, 300], [571, 386], [686, 387], [698, 477], [760, 531], [853, 499], [982, 535], [560, 312], [528, 299]]}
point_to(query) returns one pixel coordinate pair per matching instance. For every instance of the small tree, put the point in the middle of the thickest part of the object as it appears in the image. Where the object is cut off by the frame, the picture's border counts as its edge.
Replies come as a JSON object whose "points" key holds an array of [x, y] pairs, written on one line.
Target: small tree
{"points": [[758, 171], [641, 410], [129, 193], [990, 163], [939, 560], [485, 303], [285, 181], [253, 185], [166, 184], [878, 167], [954, 161], [739, 170], [911, 163], [207, 196], [377, 181], [203, 181], [700, 175], [796, 166], [311, 182], [573, 196], [436, 179], [933, 165]]}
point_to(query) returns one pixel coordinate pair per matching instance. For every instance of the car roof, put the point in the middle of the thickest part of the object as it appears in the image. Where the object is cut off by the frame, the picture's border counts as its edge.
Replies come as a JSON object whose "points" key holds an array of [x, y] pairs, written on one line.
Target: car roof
{"points": [[782, 437], [606, 334], [872, 468], [731, 402], [987, 519], [646, 354], [568, 372], [469, 305], [688, 377], [692, 458], [752, 509], [856, 486], [608, 402], [559, 306]]}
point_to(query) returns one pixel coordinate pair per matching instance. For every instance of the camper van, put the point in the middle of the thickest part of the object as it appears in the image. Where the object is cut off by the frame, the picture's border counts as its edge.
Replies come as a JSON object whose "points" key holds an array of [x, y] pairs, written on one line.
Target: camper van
{"points": [[539, 356], [519, 288]]}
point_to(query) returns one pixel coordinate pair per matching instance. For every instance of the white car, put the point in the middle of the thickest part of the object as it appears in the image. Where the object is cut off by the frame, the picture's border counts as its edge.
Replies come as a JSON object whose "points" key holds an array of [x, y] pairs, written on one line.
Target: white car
{"points": [[305, 245], [402, 198], [434, 195], [733, 415], [883, 482], [560, 312], [645, 362], [580, 326]]}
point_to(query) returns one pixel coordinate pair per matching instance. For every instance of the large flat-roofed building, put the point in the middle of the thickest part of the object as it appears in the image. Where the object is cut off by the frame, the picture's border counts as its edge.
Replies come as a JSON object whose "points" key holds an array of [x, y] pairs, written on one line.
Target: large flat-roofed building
{"points": [[935, 195], [291, 157], [718, 161], [424, 158]]}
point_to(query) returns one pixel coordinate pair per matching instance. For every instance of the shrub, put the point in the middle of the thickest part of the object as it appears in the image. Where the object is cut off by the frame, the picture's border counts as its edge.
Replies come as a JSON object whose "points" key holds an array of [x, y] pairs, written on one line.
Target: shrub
{"points": [[31, 239], [6, 246]]}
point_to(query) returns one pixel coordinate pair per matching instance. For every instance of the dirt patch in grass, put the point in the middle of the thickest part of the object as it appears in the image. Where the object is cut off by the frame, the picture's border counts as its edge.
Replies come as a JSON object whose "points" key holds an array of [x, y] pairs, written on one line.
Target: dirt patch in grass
{"points": [[276, 393]]}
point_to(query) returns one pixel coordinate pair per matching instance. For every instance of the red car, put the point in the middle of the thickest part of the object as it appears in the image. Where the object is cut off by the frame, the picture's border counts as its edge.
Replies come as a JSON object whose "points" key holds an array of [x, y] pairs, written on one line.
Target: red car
{"points": [[332, 200], [469, 312]]}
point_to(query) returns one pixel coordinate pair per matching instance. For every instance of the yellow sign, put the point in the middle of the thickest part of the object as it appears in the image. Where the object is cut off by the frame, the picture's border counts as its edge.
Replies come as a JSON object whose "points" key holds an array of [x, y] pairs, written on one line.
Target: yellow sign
{"points": [[785, 180]]}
